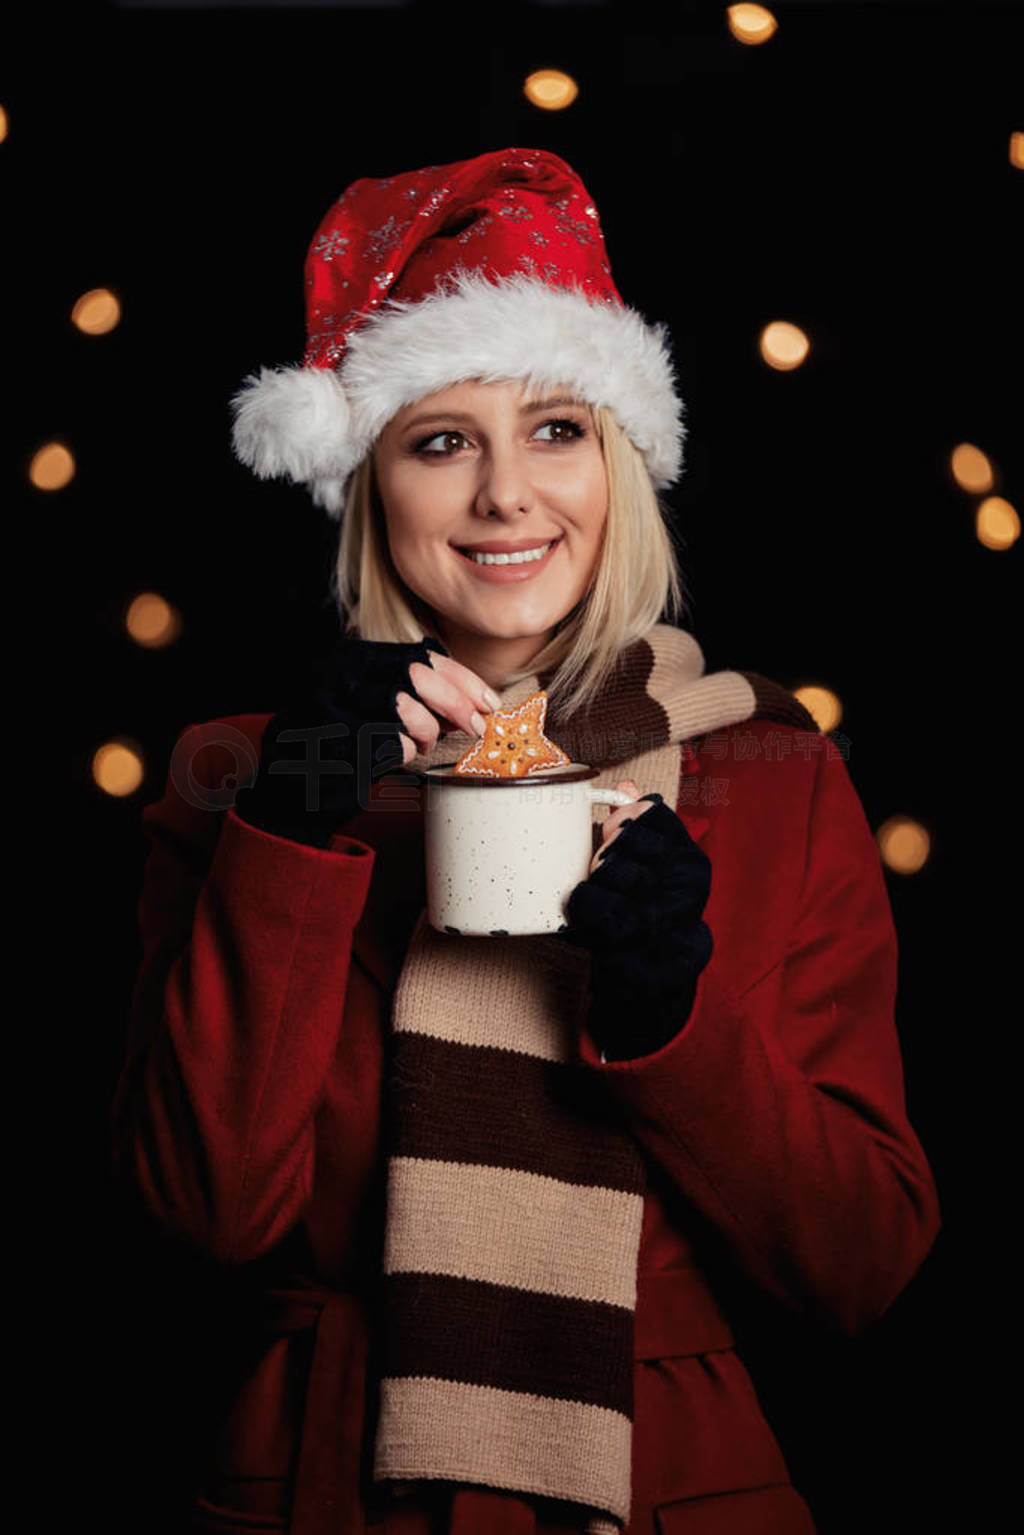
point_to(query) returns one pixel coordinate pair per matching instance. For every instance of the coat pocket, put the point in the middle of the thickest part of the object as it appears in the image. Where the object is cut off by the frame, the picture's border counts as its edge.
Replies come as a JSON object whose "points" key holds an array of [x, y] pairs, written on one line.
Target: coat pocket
{"points": [[292, 1445], [213, 1519], [775, 1510], [699, 1433]]}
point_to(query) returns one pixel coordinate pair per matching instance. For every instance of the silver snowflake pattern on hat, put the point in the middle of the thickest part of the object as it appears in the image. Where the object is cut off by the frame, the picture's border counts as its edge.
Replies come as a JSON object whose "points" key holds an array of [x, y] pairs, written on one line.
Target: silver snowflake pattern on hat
{"points": [[380, 241], [574, 227], [517, 214], [434, 201], [335, 347], [327, 246], [564, 221]]}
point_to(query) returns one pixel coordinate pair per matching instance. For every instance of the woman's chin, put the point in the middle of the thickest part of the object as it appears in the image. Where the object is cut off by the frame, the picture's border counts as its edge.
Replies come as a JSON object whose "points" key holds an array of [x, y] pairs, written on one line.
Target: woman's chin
{"points": [[500, 626]]}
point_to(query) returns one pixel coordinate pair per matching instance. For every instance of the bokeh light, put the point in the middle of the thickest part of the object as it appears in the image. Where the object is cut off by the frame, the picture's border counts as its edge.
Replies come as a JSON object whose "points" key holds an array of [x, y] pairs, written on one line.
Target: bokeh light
{"points": [[822, 703], [996, 523], [783, 346], [1017, 150], [96, 312], [751, 23], [117, 768], [3, 124], [550, 89], [52, 467], [971, 468], [151, 621], [904, 844]]}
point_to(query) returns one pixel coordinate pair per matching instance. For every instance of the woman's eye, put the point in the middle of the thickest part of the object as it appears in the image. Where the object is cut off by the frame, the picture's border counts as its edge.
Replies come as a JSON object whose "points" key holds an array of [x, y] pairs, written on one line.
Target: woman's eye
{"points": [[573, 430], [442, 437]]}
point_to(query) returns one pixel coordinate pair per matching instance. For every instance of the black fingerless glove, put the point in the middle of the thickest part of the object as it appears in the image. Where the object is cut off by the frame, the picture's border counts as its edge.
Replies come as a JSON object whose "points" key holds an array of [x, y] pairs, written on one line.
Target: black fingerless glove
{"points": [[306, 787], [639, 914]]}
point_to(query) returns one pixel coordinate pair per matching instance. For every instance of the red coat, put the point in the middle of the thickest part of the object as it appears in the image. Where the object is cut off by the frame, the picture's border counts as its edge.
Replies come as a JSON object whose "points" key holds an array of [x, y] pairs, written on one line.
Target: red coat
{"points": [[248, 1114]]}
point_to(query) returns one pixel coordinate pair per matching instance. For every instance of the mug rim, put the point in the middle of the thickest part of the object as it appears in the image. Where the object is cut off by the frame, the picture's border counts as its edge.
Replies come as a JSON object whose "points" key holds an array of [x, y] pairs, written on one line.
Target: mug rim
{"points": [[443, 772]]}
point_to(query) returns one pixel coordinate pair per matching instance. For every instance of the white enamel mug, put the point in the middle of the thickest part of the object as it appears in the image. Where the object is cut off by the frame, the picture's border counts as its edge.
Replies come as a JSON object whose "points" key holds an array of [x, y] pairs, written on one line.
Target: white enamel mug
{"points": [[503, 855]]}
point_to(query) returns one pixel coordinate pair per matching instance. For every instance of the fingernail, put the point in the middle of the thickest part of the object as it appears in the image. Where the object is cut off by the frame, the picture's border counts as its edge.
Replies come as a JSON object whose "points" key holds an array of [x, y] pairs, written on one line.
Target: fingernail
{"points": [[491, 699], [477, 721]]}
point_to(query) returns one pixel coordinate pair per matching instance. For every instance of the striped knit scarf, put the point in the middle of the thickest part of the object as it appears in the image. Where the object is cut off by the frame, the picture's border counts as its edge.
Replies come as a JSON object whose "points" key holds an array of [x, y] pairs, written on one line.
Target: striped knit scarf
{"points": [[515, 1190]]}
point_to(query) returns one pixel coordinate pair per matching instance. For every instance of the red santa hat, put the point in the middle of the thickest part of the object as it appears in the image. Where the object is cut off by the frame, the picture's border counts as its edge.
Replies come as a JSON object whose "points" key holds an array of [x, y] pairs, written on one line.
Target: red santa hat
{"points": [[493, 268]]}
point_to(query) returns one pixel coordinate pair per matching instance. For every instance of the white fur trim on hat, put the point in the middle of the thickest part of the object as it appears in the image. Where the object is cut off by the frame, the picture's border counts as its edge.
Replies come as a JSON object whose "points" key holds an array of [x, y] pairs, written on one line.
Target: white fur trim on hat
{"points": [[314, 425]]}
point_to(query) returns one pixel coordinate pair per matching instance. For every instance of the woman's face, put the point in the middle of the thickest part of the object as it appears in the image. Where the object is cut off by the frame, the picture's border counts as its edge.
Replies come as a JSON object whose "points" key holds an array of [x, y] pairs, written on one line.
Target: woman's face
{"points": [[490, 468]]}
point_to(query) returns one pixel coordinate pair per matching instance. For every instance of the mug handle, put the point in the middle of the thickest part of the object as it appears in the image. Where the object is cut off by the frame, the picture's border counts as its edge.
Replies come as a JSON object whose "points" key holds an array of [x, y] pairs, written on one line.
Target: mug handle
{"points": [[610, 797]]}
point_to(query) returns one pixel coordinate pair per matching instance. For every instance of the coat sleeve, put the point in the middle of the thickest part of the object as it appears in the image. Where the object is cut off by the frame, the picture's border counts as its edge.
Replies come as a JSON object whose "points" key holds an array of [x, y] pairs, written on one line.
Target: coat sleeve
{"points": [[235, 1013], [779, 1109]]}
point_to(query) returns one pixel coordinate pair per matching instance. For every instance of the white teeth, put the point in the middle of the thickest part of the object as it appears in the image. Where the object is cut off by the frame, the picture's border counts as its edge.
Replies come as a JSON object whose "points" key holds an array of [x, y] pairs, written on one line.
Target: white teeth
{"points": [[510, 559]]}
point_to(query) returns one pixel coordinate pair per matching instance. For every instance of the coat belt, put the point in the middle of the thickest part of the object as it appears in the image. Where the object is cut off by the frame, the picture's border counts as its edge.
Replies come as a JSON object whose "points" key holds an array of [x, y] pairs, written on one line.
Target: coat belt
{"points": [[327, 1493], [676, 1313]]}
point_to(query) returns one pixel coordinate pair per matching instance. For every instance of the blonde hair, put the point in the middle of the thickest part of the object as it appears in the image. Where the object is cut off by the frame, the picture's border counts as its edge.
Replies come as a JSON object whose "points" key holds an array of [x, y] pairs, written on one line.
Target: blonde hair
{"points": [[638, 581]]}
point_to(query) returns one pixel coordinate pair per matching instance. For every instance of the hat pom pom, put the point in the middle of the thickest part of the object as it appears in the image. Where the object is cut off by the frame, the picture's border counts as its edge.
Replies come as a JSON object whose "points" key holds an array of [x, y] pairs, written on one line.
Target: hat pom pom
{"points": [[295, 423]]}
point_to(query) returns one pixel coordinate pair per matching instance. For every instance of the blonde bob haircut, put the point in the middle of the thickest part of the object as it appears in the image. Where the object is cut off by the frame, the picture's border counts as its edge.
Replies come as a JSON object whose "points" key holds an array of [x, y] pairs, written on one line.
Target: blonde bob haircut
{"points": [[638, 581]]}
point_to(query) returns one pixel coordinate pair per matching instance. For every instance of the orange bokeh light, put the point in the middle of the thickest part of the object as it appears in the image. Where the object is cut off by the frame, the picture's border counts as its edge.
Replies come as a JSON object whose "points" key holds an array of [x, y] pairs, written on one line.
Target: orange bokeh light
{"points": [[52, 467]]}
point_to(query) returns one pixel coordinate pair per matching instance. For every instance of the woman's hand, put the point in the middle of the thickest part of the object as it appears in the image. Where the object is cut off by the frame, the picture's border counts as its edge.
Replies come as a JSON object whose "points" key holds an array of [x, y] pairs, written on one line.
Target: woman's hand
{"points": [[618, 818], [364, 709], [445, 690], [639, 912]]}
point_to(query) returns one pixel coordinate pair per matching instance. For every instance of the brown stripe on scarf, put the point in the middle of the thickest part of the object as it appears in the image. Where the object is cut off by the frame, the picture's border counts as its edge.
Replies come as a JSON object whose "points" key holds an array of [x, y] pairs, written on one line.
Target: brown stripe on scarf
{"points": [[773, 701], [514, 1340], [623, 721], [472, 1111]]}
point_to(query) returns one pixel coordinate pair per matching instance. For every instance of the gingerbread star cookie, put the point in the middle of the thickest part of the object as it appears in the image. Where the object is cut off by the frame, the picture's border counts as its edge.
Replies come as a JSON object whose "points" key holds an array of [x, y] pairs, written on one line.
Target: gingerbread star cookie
{"points": [[514, 744]]}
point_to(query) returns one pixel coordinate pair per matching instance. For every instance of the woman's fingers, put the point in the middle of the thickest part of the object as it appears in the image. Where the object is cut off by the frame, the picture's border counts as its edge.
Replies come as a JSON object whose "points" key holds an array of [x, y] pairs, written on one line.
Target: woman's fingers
{"points": [[444, 690], [614, 822], [421, 726], [618, 818], [485, 698], [453, 692]]}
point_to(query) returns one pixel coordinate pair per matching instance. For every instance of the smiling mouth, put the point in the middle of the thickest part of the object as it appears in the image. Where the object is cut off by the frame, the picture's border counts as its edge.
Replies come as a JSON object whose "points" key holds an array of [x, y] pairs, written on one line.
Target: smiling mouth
{"points": [[523, 557]]}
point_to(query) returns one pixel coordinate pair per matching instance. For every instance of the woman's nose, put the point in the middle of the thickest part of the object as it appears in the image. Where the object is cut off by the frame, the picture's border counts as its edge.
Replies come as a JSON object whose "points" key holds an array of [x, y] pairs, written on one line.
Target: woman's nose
{"points": [[505, 485]]}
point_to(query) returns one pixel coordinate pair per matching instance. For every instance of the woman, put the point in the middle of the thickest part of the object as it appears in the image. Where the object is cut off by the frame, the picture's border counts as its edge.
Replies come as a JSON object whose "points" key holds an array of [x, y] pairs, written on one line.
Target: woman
{"points": [[496, 1186]]}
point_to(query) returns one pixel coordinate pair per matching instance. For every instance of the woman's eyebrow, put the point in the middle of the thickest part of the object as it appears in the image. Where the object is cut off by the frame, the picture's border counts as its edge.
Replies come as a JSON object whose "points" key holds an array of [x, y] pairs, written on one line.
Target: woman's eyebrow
{"points": [[459, 415]]}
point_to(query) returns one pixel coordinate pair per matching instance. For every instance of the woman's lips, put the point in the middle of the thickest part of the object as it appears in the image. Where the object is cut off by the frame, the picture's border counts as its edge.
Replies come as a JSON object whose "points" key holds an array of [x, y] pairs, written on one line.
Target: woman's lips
{"points": [[501, 574]]}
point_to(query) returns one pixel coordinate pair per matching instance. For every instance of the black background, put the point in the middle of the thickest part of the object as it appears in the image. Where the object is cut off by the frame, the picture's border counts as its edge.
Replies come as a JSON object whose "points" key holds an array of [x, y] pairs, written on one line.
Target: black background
{"points": [[851, 175]]}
